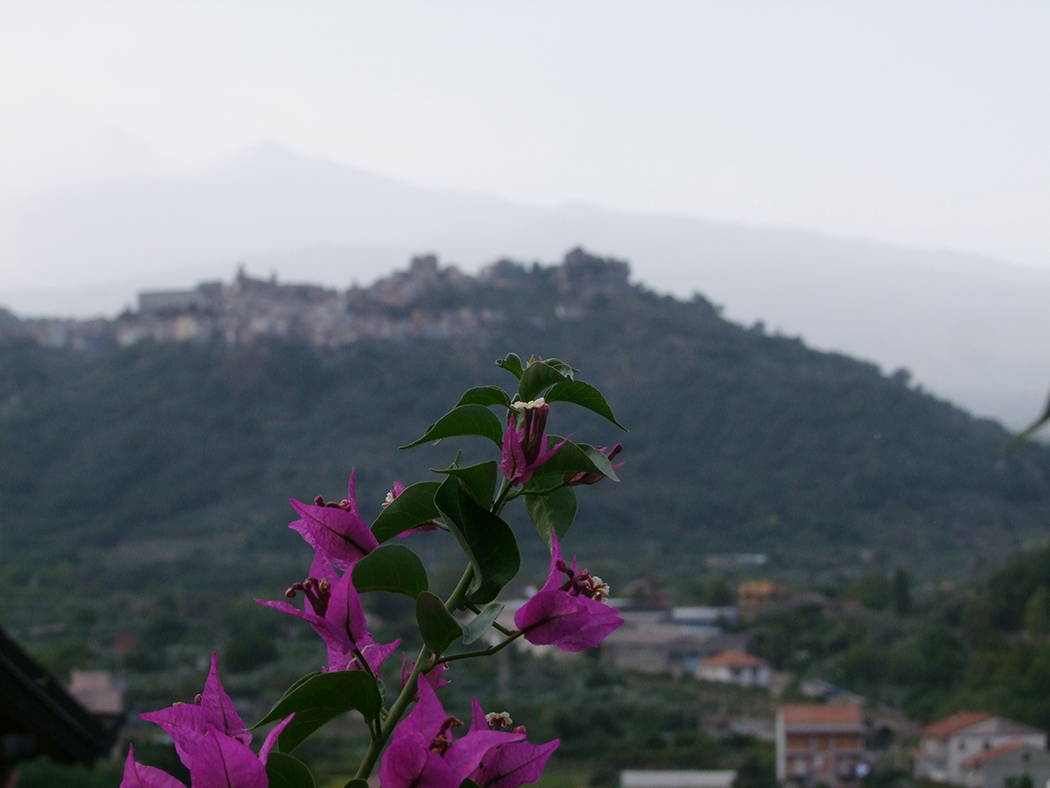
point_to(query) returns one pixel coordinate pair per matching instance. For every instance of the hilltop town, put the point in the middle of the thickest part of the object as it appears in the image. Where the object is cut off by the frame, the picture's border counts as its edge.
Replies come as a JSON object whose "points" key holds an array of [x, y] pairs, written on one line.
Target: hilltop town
{"points": [[424, 302]]}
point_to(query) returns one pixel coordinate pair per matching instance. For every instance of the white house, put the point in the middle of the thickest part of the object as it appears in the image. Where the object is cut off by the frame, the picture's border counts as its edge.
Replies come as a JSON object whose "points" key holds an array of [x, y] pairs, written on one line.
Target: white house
{"points": [[735, 667], [946, 745], [993, 768]]}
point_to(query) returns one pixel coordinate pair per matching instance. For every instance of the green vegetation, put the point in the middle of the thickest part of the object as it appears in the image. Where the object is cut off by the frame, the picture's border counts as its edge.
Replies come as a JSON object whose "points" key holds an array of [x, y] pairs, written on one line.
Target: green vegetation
{"points": [[143, 502]]}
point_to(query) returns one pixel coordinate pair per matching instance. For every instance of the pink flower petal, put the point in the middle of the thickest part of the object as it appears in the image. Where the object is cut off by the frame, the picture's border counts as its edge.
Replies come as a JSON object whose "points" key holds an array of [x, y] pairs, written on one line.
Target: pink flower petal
{"points": [[136, 775], [221, 761], [514, 765], [271, 738], [218, 708]]}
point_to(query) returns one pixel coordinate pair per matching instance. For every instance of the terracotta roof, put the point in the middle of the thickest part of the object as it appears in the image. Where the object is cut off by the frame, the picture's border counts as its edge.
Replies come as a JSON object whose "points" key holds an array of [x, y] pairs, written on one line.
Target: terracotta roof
{"points": [[994, 752], [734, 659], [949, 725], [815, 714]]}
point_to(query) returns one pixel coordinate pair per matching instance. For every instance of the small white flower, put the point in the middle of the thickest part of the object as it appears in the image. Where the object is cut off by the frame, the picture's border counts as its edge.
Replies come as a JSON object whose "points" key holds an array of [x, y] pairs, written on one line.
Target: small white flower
{"points": [[599, 588], [520, 406], [498, 720]]}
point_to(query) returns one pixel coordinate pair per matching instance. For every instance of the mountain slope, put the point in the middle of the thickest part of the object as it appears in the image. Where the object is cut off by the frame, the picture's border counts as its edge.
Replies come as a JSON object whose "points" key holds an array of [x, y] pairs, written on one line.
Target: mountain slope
{"points": [[740, 441]]}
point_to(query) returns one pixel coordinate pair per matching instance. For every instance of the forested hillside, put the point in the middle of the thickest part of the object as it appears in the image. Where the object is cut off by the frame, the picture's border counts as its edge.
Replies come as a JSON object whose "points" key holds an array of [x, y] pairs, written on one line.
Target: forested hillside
{"points": [[175, 461]]}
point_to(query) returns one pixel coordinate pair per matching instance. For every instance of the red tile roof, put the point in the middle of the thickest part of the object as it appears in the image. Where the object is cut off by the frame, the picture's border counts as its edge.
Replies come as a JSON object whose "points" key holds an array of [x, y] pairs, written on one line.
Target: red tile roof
{"points": [[949, 725], [814, 714], [994, 752], [734, 659]]}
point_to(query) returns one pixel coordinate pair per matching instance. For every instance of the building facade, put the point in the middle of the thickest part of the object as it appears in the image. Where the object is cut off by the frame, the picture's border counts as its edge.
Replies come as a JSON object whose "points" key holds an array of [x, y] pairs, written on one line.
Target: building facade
{"points": [[946, 745], [994, 768], [819, 744]]}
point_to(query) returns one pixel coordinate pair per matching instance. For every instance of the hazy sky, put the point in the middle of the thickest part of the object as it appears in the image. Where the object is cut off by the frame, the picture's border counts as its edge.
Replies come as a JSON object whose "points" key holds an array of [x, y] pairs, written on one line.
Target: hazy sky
{"points": [[914, 122]]}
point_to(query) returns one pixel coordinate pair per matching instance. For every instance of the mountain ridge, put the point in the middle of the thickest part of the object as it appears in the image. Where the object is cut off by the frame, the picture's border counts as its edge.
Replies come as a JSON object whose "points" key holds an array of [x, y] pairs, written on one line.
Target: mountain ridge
{"points": [[964, 325]]}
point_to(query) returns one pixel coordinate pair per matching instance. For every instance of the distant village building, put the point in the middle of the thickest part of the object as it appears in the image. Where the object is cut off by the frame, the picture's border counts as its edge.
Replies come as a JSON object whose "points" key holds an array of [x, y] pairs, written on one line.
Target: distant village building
{"points": [[819, 743], [677, 779], [168, 300], [754, 595], [735, 667], [705, 615], [652, 641], [947, 747], [98, 693], [424, 302], [995, 767]]}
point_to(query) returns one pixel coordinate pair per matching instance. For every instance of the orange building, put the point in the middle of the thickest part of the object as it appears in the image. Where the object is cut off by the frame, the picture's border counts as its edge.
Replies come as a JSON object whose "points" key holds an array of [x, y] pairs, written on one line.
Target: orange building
{"points": [[753, 595], [819, 743]]}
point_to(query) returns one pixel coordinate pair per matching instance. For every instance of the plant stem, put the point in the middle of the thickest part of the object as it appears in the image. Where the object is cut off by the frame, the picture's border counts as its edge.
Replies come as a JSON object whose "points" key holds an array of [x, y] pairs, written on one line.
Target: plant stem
{"points": [[485, 651], [408, 692], [495, 624], [497, 505]]}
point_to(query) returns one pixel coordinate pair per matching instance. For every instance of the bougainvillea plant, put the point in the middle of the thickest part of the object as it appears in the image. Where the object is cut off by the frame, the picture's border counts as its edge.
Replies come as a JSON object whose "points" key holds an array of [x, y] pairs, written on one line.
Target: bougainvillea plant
{"points": [[412, 738]]}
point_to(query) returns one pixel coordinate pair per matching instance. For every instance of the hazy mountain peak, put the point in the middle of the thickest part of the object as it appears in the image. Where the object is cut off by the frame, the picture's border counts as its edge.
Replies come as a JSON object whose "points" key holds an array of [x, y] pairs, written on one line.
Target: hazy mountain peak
{"points": [[966, 326]]}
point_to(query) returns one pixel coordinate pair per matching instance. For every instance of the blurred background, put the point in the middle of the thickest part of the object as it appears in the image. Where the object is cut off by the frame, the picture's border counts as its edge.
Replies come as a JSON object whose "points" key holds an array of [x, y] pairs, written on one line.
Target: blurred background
{"points": [[803, 247]]}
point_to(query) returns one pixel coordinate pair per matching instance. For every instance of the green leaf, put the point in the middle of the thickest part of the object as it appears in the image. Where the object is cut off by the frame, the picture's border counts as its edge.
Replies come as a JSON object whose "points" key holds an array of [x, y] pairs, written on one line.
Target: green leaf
{"points": [[488, 541], [357, 782], [554, 511], [485, 395], [464, 420], [601, 462], [481, 623], [537, 377], [321, 698], [437, 627], [576, 458], [512, 364], [562, 367], [412, 507], [391, 567], [284, 771], [300, 681], [479, 479], [585, 395]]}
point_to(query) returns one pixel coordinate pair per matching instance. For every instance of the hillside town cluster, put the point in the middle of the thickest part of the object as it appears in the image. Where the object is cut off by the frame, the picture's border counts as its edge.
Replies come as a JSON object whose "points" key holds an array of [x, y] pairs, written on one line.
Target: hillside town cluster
{"points": [[832, 738], [424, 302]]}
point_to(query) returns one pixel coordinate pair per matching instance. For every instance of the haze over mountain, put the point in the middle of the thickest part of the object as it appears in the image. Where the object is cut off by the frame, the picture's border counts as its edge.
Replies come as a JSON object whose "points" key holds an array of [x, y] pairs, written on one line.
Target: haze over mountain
{"points": [[969, 328]]}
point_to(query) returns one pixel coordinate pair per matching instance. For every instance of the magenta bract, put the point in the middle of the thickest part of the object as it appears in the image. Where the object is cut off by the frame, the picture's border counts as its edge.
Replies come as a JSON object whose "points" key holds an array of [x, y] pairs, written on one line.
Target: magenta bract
{"points": [[525, 449], [336, 530], [510, 765], [187, 723], [567, 611], [337, 617], [211, 740], [136, 775], [422, 753]]}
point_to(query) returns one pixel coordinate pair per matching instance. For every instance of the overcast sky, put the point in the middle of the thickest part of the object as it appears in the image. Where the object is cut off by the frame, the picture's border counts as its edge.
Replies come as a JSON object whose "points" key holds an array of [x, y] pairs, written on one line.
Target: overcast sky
{"points": [[913, 122]]}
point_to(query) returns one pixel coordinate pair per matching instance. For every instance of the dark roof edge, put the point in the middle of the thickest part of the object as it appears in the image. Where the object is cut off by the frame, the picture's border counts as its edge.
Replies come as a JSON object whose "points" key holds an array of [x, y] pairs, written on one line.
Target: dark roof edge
{"points": [[62, 725]]}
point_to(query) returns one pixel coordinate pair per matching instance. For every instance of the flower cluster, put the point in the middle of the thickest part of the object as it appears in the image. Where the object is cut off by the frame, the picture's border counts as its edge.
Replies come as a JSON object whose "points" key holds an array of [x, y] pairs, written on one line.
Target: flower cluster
{"points": [[569, 611], [525, 450], [423, 751], [417, 748], [211, 741]]}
